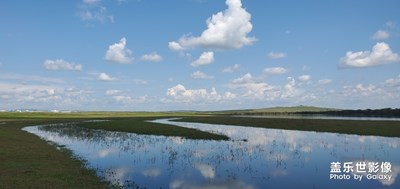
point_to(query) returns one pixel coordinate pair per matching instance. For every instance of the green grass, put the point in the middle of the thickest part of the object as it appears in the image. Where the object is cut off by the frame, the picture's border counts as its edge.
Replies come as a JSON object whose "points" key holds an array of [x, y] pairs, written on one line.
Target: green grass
{"points": [[26, 161], [140, 125], [359, 127]]}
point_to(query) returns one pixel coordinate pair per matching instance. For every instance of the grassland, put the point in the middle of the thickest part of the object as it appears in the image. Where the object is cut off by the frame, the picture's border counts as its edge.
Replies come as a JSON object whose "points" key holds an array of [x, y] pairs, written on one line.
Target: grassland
{"points": [[26, 161], [359, 127]]}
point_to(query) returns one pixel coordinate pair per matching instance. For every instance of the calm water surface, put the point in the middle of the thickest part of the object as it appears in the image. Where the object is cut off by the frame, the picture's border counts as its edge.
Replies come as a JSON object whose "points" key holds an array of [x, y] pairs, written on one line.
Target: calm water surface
{"points": [[253, 158]]}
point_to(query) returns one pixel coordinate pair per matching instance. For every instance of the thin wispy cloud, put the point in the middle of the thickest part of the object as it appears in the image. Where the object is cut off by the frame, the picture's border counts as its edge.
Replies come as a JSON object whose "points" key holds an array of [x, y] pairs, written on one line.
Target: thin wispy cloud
{"points": [[94, 11], [60, 64], [231, 69], [276, 55], [201, 75], [380, 35], [275, 70]]}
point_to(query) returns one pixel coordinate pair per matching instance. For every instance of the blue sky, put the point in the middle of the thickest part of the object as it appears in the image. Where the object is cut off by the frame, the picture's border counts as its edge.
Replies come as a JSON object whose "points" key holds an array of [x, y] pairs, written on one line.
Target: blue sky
{"points": [[198, 54]]}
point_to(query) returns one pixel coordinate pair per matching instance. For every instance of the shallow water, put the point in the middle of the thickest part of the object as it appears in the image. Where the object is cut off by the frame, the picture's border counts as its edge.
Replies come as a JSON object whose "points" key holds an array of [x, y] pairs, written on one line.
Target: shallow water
{"points": [[253, 158]]}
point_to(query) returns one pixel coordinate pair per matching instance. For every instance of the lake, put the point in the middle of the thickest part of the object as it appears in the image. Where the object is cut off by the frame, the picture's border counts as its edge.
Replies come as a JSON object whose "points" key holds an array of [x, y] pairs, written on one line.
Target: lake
{"points": [[253, 158]]}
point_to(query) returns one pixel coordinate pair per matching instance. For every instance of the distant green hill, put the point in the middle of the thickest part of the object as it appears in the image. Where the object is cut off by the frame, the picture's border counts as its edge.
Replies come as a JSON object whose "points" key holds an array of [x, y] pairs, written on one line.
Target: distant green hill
{"points": [[292, 109], [281, 109]]}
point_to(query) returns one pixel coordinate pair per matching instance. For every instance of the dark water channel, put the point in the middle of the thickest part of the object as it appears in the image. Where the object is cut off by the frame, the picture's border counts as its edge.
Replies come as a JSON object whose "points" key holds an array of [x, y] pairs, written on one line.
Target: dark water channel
{"points": [[253, 158]]}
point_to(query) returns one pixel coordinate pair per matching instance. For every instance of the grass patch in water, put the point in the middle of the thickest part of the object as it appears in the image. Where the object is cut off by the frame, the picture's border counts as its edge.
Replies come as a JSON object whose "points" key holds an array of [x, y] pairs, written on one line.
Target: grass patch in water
{"points": [[140, 125], [359, 127]]}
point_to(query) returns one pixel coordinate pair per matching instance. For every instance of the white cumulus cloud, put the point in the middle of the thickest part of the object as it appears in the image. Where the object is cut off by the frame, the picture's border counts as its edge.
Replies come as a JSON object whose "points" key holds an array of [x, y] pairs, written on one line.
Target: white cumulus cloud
{"points": [[252, 88], [275, 70], [152, 57], [180, 94], [175, 46], [106, 77], [201, 75], [204, 59], [380, 54], [380, 35], [225, 30], [61, 64], [118, 53], [276, 55]]}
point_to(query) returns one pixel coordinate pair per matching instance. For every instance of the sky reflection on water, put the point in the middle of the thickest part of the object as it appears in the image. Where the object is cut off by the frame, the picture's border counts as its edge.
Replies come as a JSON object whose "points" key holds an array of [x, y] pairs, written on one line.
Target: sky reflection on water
{"points": [[253, 158]]}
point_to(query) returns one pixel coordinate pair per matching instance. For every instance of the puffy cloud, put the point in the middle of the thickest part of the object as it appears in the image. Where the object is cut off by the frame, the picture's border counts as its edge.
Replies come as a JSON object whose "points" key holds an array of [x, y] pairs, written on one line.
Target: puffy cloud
{"points": [[275, 70], [200, 75], [231, 69], [61, 64], [253, 88], [324, 81], [225, 30], [175, 46], [118, 53], [246, 78], [204, 59], [119, 97], [290, 88], [304, 78], [360, 89], [106, 77], [380, 54], [380, 35], [276, 55], [39, 96], [153, 57], [180, 94]]}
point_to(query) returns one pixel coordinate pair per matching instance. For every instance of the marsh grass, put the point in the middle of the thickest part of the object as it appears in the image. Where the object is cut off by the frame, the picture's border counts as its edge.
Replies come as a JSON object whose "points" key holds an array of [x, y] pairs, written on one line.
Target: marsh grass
{"points": [[26, 161], [359, 127], [141, 125]]}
